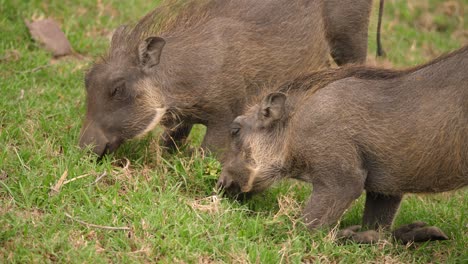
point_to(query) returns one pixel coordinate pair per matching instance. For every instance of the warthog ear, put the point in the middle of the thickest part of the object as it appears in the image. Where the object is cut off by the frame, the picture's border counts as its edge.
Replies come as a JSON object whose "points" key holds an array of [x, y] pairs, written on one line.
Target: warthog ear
{"points": [[273, 106], [150, 51]]}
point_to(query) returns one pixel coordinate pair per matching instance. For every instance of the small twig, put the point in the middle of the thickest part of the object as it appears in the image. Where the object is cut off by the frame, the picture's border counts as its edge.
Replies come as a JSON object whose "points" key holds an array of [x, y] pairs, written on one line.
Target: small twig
{"points": [[98, 178], [62, 182], [56, 189], [35, 69], [76, 178], [97, 226], [126, 165]]}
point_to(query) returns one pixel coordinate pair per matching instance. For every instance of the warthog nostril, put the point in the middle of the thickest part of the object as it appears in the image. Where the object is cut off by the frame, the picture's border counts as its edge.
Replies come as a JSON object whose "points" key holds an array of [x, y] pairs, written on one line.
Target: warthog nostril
{"points": [[102, 153], [223, 183], [220, 184], [93, 136]]}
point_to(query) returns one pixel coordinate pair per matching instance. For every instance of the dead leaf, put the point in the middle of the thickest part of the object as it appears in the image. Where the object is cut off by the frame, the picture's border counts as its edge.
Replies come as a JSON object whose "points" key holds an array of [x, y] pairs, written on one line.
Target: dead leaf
{"points": [[48, 32]]}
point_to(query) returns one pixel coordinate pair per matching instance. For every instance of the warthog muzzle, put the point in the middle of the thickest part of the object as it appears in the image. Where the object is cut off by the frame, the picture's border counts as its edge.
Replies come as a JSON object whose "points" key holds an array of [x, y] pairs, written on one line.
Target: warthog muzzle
{"points": [[231, 189], [92, 136]]}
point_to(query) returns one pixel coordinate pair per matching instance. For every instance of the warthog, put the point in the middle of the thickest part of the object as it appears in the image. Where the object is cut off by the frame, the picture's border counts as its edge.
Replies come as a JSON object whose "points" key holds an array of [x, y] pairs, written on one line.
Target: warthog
{"points": [[347, 130], [201, 66]]}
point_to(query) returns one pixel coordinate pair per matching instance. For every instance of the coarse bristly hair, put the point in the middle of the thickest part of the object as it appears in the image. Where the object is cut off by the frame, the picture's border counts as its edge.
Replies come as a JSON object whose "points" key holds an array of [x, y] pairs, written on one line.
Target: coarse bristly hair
{"points": [[175, 18], [319, 79], [171, 15]]}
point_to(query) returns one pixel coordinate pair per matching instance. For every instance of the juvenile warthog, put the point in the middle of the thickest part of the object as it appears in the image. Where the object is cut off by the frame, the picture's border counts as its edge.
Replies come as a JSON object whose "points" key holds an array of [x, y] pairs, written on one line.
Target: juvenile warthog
{"points": [[353, 129], [201, 66]]}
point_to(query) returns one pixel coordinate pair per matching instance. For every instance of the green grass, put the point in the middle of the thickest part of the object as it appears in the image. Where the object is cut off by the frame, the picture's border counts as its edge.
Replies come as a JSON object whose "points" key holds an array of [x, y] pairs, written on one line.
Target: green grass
{"points": [[163, 199]]}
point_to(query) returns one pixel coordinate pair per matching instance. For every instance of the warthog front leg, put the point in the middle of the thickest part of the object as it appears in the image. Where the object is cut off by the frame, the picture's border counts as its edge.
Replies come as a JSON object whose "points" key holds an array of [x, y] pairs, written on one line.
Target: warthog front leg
{"points": [[216, 138], [331, 196], [174, 138], [380, 210]]}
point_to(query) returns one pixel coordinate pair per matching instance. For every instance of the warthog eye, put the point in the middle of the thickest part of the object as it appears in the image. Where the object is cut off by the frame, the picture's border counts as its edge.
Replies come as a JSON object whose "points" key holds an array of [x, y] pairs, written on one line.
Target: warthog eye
{"points": [[114, 91], [235, 128], [235, 131], [117, 90]]}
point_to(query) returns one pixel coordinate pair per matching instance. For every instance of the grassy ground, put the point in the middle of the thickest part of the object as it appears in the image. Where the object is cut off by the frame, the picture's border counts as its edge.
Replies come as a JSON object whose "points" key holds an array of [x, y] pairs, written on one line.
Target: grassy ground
{"points": [[164, 202]]}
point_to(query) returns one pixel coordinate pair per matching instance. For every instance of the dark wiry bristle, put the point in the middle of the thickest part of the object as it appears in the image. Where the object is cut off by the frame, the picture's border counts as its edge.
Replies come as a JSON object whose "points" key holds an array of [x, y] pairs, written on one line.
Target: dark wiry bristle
{"points": [[169, 16]]}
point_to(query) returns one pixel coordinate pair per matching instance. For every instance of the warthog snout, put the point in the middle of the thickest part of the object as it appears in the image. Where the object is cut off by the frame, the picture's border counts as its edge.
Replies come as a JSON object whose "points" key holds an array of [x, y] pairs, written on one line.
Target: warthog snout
{"points": [[224, 182], [92, 136], [231, 188]]}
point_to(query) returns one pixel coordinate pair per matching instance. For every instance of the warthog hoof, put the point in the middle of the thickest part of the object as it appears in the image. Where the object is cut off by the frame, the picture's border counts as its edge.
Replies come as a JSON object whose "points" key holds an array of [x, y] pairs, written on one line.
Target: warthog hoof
{"points": [[418, 232], [363, 237]]}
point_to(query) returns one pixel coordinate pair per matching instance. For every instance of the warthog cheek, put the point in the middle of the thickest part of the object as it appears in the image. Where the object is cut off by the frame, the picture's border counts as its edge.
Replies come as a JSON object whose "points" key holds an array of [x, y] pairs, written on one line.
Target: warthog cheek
{"points": [[156, 119], [246, 188], [252, 175]]}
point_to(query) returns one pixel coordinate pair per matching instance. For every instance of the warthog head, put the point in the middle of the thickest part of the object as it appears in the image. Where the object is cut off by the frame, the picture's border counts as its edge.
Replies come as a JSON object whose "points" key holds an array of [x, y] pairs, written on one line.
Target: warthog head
{"points": [[122, 96], [254, 161]]}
